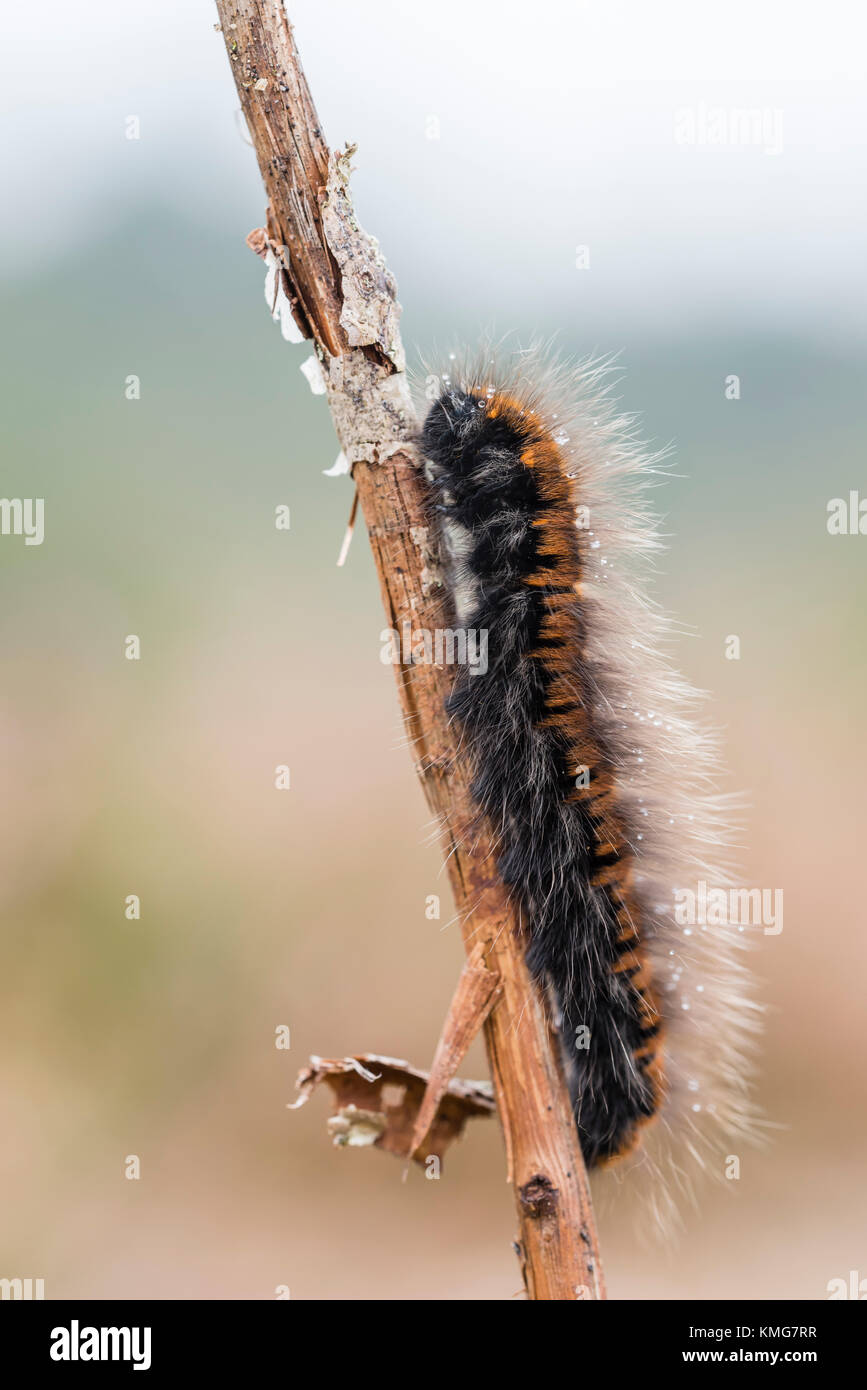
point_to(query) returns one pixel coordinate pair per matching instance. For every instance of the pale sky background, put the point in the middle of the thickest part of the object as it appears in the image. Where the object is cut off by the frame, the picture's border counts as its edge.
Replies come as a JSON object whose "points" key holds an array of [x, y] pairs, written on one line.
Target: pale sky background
{"points": [[556, 130]]}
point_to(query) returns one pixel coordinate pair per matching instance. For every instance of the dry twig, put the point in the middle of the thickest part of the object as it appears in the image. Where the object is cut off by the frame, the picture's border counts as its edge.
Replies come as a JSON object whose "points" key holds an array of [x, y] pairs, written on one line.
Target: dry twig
{"points": [[344, 298]]}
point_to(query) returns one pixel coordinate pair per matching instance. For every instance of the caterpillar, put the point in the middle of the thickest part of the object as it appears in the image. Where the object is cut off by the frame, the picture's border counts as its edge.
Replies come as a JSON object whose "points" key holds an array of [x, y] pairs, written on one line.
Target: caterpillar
{"points": [[590, 758]]}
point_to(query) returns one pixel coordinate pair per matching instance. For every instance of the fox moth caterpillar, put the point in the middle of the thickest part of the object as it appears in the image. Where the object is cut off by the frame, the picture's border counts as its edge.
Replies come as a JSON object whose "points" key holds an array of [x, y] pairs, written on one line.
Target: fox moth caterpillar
{"points": [[590, 759]]}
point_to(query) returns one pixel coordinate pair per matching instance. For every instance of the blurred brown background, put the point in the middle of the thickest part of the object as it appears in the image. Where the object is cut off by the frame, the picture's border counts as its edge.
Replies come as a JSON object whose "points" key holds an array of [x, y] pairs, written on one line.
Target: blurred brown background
{"points": [[306, 908]]}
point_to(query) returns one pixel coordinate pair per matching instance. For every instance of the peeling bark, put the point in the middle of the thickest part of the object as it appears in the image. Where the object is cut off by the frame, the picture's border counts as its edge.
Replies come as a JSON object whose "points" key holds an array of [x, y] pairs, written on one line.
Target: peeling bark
{"points": [[378, 1100]]}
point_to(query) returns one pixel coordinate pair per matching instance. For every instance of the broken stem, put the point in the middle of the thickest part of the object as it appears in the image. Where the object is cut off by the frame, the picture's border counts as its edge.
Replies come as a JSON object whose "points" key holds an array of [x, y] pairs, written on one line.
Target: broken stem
{"points": [[344, 298]]}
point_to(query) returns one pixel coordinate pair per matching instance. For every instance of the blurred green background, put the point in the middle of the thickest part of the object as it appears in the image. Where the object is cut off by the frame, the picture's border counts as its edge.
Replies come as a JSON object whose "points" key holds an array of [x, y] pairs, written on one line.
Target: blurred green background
{"points": [[306, 908]]}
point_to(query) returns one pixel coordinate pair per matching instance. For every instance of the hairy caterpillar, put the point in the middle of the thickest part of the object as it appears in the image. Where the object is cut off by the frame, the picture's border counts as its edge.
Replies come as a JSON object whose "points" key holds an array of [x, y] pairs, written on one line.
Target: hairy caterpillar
{"points": [[587, 757]]}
